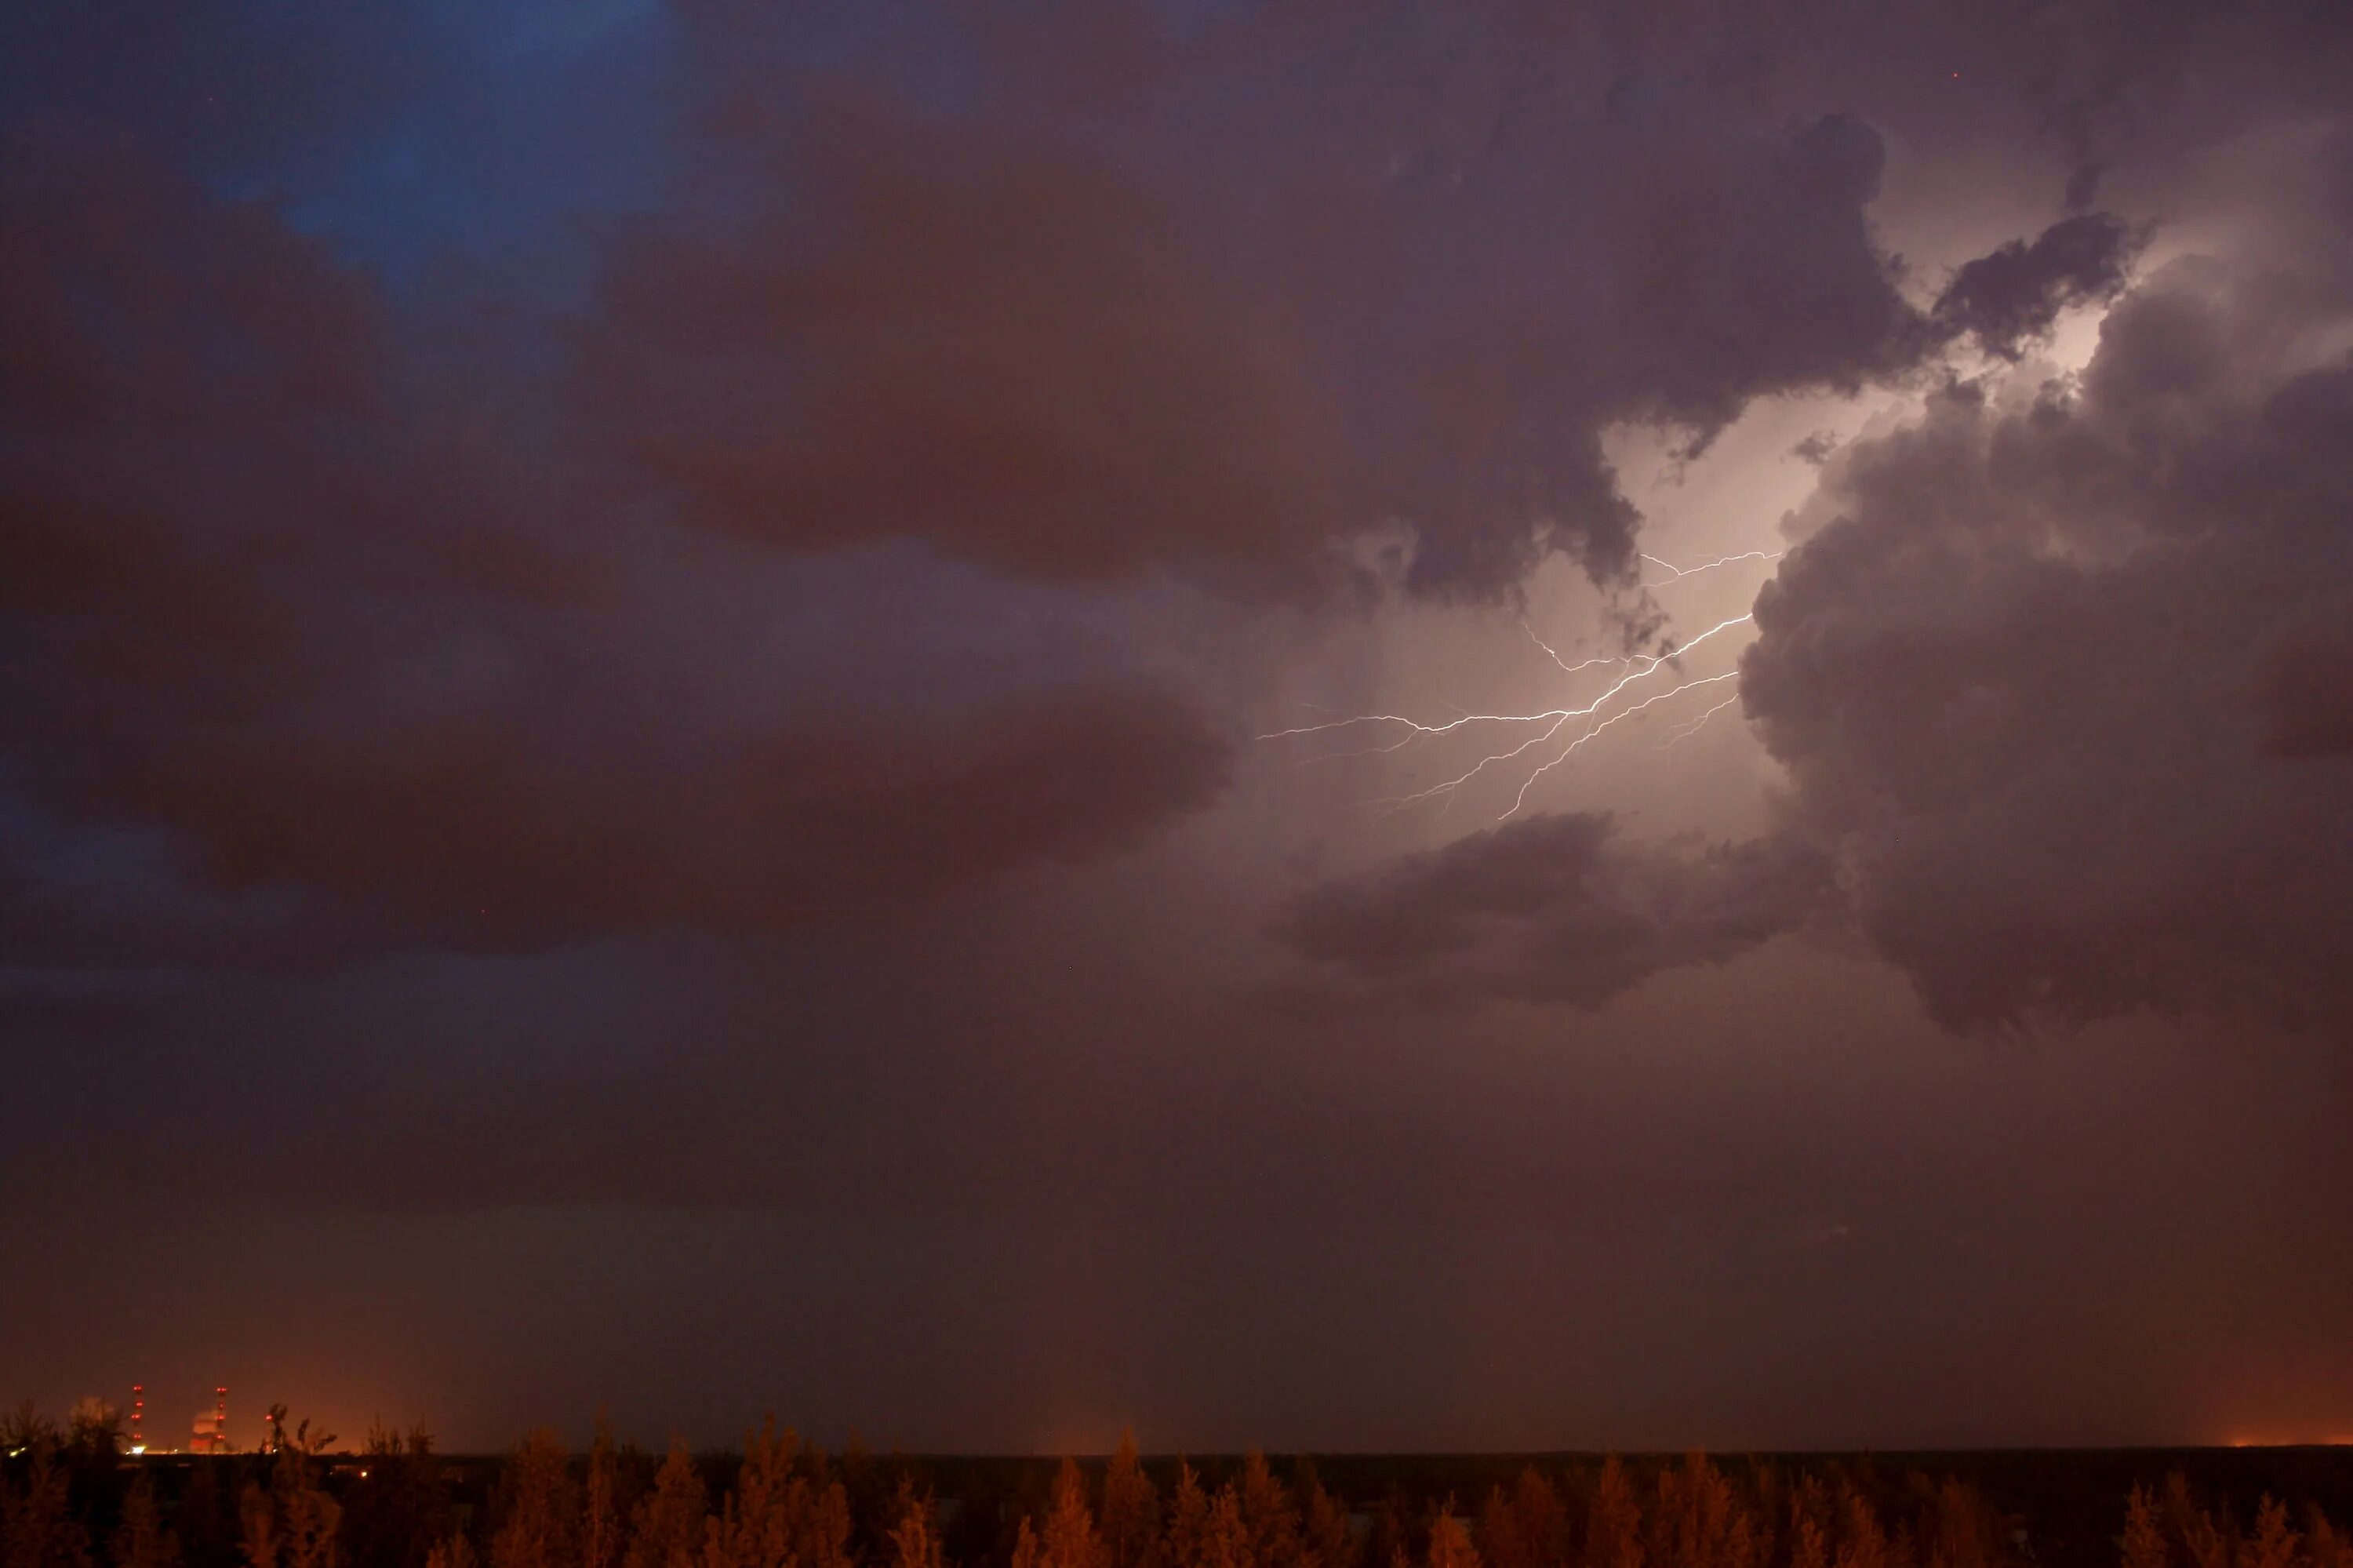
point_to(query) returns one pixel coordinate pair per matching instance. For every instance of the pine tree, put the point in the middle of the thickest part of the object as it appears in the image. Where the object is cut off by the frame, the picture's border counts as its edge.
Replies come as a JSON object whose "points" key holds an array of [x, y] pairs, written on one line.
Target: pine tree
{"points": [[914, 1543], [2142, 1545], [1614, 1530], [2274, 1543], [1270, 1517], [1071, 1540], [1189, 1520], [36, 1520], [293, 1523], [1809, 1543], [753, 1527], [1967, 1532], [139, 1539], [206, 1517], [1700, 1521], [540, 1507], [1331, 1541], [1130, 1508], [1449, 1542], [2325, 1544], [1540, 1521], [785, 1512], [822, 1524], [2205, 1544], [1225, 1541], [1862, 1543], [398, 1509], [601, 1535], [666, 1530]]}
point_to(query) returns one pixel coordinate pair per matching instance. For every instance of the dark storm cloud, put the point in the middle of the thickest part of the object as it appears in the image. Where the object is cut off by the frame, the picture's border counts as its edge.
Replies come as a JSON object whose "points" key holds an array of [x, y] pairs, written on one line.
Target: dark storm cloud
{"points": [[1224, 300], [532, 527], [2061, 685], [2009, 298], [373, 645], [280, 588], [1557, 908]]}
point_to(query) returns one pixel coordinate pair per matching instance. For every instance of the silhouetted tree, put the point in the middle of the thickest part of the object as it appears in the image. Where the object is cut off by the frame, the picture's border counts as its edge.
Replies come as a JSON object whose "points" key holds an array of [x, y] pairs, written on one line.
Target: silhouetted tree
{"points": [[1527, 1528], [2142, 1545], [206, 1517], [1699, 1522], [602, 1527], [1449, 1542], [37, 1522], [397, 1510], [1225, 1541], [1967, 1532], [1131, 1508], [2202, 1543], [1863, 1541], [1189, 1520], [2328, 1546], [1270, 1517], [2275, 1541], [24, 1428], [1810, 1545], [93, 1445], [1070, 1539], [913, 1542], [1331, 1539], [139, 1539], [1613, 1529], [781, 1514], [665, 1530], [291, 1522], [538, 1506]]}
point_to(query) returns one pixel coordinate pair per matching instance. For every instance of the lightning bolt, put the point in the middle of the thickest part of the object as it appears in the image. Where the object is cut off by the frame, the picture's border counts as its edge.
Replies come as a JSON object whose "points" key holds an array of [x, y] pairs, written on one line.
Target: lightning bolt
{"points": [[1685, 731], [1638, 667], [1676, 573]]}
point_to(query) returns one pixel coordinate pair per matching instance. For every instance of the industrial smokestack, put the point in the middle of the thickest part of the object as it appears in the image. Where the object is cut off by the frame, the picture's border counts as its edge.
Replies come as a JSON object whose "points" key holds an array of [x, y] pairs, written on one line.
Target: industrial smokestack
{"points": [[138, 1411], [220, 1419]]}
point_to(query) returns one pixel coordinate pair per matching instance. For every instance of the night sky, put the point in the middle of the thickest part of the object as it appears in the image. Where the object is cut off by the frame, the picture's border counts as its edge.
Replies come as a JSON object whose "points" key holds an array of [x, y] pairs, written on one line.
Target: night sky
{"points": [[646, 652]]}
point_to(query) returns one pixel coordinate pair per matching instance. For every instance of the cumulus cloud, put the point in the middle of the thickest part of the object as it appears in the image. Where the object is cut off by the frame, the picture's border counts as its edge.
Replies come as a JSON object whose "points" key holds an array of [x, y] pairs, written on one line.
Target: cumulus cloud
{"points": [[1556, 909]]}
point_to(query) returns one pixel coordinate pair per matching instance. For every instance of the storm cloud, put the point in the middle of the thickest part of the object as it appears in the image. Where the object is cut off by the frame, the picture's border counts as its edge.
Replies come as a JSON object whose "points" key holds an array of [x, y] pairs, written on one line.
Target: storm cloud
{"points": [[1557, 908], [2056, 681], [1247, 309], [626, 631], [2057, 674], [303, 606]]}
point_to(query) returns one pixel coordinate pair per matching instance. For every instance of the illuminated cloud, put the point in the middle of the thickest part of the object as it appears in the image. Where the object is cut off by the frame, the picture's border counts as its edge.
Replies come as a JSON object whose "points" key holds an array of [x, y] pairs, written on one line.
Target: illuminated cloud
{"points": [[2059, 679], [2053, 686]]}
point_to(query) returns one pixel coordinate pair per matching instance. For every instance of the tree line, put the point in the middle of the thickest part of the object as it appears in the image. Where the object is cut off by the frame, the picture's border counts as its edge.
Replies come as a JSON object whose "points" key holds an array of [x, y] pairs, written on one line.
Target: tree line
{"points": [[70, 1498]]}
